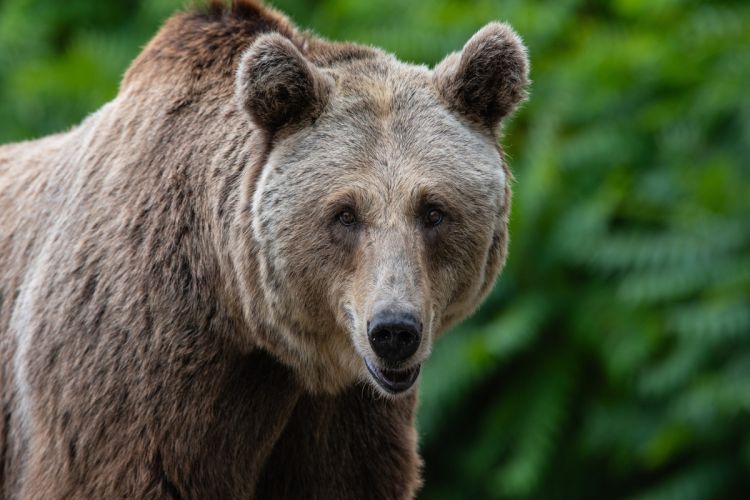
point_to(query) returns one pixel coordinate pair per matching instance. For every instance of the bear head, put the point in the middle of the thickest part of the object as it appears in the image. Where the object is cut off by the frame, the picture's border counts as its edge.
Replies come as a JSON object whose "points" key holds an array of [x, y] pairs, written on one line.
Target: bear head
{"points": [[380, 213]]}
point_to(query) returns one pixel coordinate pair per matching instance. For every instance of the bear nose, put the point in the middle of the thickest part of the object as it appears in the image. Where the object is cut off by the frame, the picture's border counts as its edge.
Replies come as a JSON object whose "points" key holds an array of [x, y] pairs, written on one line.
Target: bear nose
{"points": [[394, 336]]}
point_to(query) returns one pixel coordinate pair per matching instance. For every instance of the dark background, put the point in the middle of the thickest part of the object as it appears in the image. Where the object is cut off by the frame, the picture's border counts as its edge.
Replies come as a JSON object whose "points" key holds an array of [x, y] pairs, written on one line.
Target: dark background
{"points": [[612, 359]]}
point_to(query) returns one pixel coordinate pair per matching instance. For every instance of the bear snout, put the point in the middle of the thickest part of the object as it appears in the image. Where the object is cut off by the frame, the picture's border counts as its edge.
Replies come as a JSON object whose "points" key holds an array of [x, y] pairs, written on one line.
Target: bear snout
{"points": [[394, 335]]}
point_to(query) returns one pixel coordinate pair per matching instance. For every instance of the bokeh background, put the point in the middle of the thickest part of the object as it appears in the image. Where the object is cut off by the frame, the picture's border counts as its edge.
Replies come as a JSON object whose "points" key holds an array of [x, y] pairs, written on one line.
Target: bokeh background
{"points": [[612, 359]]}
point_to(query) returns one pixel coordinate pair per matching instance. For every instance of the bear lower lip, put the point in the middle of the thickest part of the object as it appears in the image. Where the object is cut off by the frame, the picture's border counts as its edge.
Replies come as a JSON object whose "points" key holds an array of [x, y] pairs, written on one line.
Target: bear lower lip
{"points": [[393, 381]]}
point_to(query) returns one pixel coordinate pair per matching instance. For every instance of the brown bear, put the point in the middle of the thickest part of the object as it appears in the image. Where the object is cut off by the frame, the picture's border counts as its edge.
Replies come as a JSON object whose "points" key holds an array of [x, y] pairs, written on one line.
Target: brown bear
{"points": [[223, 283]]}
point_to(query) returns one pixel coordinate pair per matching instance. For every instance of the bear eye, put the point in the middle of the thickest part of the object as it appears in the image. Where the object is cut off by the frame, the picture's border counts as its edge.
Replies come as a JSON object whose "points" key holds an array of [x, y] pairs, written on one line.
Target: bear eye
{"points": [[346, 217], [433, 217]]}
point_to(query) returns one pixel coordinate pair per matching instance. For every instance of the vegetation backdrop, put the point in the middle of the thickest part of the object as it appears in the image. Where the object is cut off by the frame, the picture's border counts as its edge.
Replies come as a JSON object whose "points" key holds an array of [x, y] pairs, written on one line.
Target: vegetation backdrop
{"points": [[613, 357]]}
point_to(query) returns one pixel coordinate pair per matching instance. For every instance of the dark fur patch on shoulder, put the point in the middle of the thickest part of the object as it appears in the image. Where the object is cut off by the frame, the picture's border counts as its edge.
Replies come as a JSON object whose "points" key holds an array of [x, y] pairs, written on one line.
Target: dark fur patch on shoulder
{"points": [[243, 9], [167, 486], [266, 19], [202, 45]]}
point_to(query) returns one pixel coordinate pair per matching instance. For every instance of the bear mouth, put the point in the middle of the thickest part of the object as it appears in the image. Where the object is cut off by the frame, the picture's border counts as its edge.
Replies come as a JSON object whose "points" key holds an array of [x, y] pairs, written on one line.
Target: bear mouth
{"points": [[393, 381]]}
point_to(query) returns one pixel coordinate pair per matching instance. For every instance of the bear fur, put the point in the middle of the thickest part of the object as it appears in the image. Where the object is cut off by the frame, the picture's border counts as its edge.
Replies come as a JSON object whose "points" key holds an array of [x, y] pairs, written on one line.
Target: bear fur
{"points": [[188, 276]]}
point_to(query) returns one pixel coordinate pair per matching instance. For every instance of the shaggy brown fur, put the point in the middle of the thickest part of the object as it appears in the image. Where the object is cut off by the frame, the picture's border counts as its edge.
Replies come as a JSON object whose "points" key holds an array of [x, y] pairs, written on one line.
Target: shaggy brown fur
{"points": [[182, 314]]}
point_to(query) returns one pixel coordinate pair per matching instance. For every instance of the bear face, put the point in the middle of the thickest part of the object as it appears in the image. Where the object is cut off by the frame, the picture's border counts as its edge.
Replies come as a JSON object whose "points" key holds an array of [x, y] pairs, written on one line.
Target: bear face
{"points": [[380, 213]]}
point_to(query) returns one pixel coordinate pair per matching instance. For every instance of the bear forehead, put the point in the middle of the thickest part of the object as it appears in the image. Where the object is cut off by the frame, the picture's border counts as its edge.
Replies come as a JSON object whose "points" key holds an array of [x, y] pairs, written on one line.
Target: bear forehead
{"points": [[396, 154], [382, 82], [385, 127], [390, 114], [385, 88]]}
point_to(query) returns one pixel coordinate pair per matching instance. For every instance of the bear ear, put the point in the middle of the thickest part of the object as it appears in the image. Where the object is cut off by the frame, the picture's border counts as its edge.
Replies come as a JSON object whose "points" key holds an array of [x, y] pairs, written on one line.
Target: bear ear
{"points": [[278, 86], [487, 80]]}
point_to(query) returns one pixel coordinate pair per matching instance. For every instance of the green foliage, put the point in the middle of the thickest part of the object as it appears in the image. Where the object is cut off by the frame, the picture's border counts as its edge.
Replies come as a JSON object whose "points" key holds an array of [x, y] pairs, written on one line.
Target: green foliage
{"points": [[612, 359]]}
